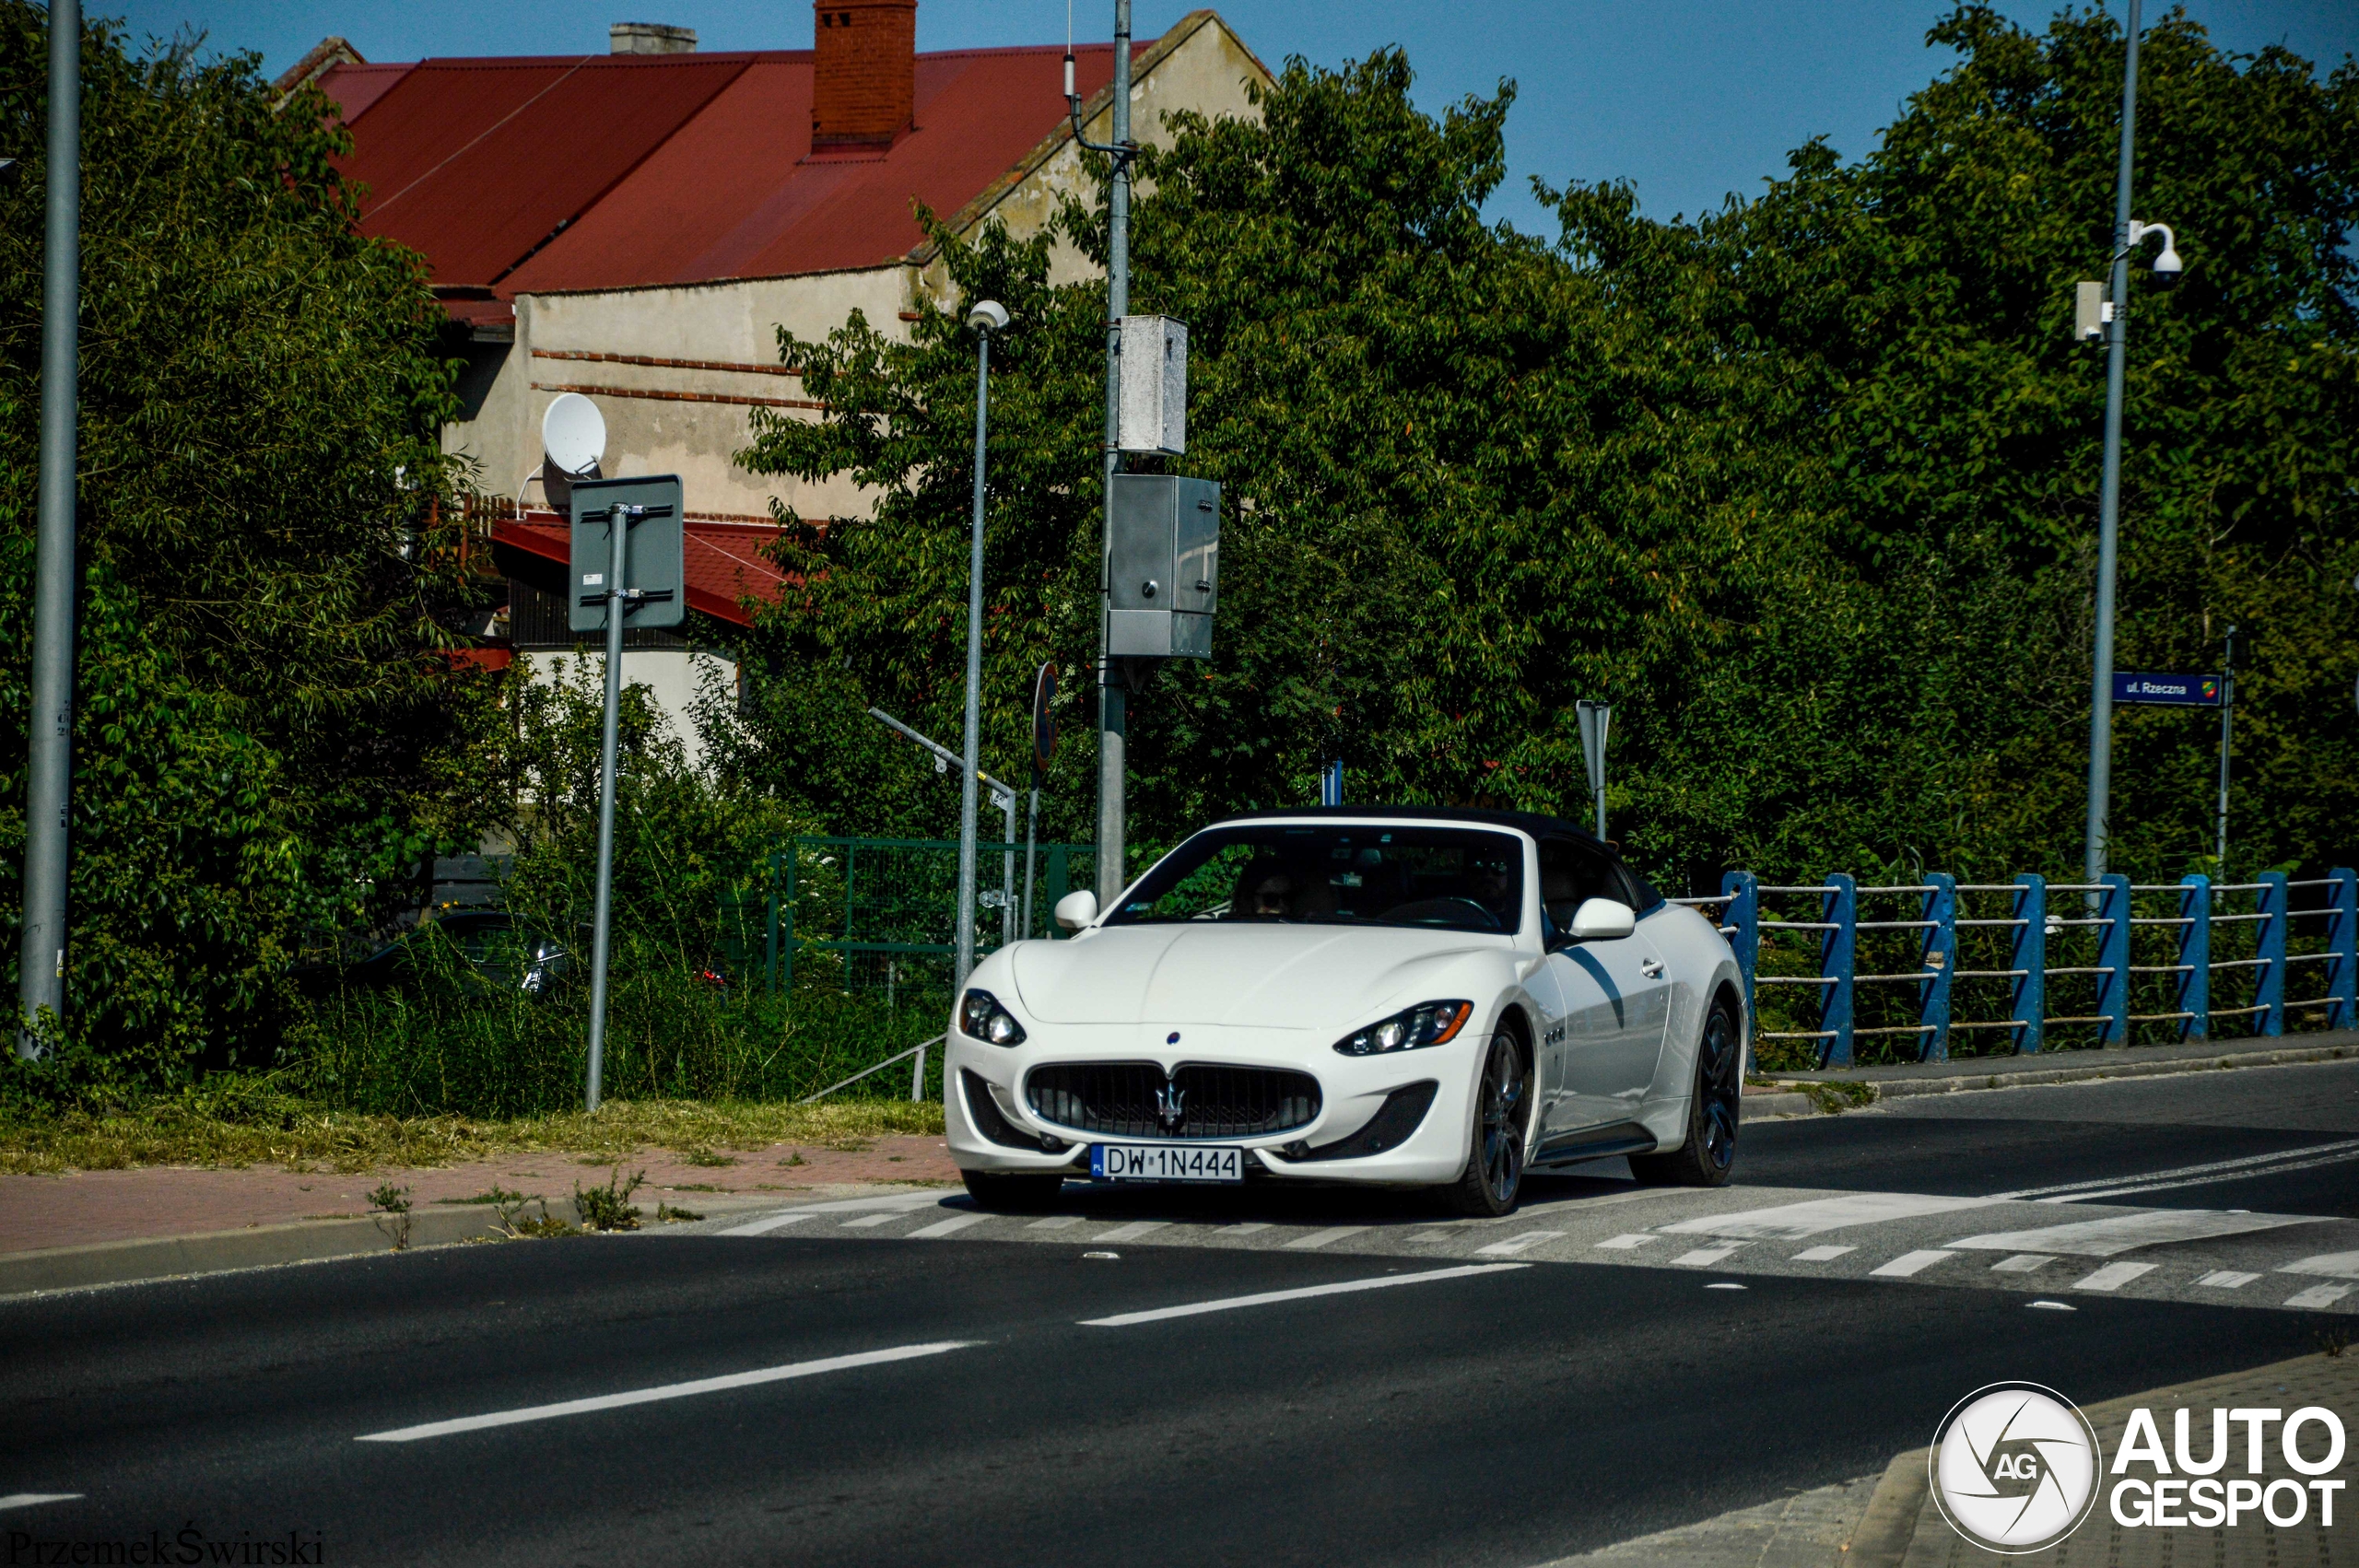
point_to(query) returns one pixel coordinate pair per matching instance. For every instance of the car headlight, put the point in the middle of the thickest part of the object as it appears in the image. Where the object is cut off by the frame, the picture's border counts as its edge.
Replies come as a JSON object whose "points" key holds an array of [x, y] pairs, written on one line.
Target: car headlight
{"points": [[980, 1017], [1427, 1024]]}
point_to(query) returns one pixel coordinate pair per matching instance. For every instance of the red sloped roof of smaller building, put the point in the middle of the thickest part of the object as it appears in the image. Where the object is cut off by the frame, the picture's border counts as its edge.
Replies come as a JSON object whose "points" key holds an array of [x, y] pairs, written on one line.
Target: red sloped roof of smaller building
{"points": [[724, 561], [621, 171]]}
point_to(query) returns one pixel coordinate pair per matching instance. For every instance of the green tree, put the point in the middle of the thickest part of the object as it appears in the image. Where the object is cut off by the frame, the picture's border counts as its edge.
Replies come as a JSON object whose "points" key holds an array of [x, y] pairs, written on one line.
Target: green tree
{"points": [[268, 738]]}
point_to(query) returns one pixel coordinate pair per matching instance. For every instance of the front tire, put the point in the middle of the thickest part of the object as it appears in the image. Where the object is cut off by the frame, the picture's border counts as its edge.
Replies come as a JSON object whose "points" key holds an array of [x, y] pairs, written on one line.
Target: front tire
{"points": [[1013, 1194], [1709, 1152], [1493, 1179]]}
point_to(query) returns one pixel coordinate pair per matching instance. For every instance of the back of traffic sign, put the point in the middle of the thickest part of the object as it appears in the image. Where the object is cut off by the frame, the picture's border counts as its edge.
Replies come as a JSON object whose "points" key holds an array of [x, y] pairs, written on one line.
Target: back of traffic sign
{"points": [[656, 564]]}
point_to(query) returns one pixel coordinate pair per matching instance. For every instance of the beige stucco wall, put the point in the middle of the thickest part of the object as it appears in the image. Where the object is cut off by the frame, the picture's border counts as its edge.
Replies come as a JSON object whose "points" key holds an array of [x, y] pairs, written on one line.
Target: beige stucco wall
{"points": [[1200, 66], [674, 679]]}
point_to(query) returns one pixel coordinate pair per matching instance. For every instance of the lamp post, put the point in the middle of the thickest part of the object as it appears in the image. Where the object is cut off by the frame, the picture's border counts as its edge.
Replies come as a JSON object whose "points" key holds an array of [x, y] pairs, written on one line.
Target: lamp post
{"points": [[988, 317], [2127, 234]]}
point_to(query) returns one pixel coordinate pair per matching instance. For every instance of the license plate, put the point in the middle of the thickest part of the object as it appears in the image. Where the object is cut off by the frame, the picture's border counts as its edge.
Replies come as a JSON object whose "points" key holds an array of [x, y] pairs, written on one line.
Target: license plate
{"points": [[1164, 1161]]}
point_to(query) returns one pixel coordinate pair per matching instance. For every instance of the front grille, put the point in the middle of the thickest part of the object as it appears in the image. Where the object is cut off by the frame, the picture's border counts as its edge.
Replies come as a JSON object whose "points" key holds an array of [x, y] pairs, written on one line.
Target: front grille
{"points": [[1121, 1099]]}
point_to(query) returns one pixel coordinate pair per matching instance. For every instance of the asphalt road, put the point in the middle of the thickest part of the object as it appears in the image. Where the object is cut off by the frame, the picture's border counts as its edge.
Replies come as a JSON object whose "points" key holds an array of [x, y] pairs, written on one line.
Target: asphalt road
{"points": [[1504, 1411]]}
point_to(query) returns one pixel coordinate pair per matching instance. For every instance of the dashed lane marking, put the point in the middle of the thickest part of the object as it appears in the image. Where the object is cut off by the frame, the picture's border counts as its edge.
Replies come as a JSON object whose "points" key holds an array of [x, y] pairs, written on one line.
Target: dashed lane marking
{"points": [[1793, 1221], [768, 1223], [2120, 1233], [950, 1226], [2333, 1264], [1271, 1298], [1514, 1244], [1321, 1238], [864, 1222], [1822, 1254], [1909, 1263], [2226, 1280], [1703, 1257], [1055, 1223], [664, 1391], [1625, 1243], [1132, 1231], [1246, 1228], [32, 1499], [2318, 1296], [2113, 1276], [2023, 1263]]}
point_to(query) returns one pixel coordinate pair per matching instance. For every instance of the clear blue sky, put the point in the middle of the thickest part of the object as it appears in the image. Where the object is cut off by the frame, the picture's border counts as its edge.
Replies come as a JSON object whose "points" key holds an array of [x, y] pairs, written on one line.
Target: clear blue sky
{"points": [[1689, 98]]}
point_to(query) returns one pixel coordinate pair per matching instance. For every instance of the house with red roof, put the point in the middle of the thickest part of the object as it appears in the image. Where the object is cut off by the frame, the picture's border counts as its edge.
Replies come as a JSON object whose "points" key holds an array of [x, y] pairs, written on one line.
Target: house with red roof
{"points": [[636, 225]]}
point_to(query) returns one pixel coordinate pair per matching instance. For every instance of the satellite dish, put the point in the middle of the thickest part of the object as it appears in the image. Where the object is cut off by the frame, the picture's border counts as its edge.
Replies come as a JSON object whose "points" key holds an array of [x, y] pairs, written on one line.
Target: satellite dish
{"points": [[574, 437]]}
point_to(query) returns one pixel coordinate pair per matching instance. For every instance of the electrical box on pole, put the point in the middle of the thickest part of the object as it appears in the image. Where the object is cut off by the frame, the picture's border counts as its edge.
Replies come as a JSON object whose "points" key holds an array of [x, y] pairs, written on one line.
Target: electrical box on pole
{"points": [[656, 562], [1164, 569], [1154, 417], [2089, 313]]}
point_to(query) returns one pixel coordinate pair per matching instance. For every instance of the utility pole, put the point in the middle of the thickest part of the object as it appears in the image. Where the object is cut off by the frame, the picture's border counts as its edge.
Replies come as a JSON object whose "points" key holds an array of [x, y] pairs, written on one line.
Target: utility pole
{"points": [[1112, 733], [2109, 499], [40, 964]]}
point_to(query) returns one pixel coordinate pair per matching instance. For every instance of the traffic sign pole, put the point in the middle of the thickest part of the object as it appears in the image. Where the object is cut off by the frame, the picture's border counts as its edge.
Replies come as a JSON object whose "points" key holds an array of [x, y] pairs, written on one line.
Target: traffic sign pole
{"points": [[2227, 713], [618, 603]]}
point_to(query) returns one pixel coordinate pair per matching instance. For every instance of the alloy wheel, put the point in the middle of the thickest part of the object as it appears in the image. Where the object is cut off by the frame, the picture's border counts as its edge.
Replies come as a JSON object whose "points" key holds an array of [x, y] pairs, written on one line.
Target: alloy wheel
{"points": [[1503, 1090], [1718, 1087]]}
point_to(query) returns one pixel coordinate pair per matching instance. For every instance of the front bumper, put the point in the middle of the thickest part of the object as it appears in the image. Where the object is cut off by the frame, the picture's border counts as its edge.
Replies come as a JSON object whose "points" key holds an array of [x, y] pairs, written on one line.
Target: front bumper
{"points": [[1352, 1091]]}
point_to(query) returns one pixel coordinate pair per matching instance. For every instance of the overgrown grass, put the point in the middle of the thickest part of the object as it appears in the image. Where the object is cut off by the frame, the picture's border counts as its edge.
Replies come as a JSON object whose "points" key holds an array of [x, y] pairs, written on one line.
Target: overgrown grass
{"points": [[250, 1121]]}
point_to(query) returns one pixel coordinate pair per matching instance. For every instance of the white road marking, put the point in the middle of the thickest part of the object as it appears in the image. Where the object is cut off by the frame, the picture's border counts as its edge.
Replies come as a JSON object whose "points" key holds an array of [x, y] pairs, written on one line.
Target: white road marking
{"points": [[1624, 1244], [2121, 1232], [1321, 1238], [2053, 1307], [1704, 1257], [1822, 1254], [2023, 1263], [1269, 1298], [28, 1499], [2333, 1264], [1909, 1263], [666, 1391], [2225, 1280], [1723, 1285], [950, 1226], [2318, 1296], [866, 1221], [770, 1223], [2113, 1276], [1246, 1228], [2193, 1175], [1516, 1244], [891, 1200], [1792, 1222], [1132, 1231], [1055, 1223]]}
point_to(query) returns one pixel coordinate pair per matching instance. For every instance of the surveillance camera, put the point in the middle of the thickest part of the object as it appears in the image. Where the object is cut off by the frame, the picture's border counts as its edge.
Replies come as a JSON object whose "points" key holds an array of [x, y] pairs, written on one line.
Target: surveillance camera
{"points": [[2167, 267], [988, 316]]}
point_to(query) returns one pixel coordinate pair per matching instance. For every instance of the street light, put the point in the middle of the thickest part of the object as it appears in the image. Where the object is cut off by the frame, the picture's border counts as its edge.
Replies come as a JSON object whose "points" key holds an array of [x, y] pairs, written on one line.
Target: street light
{"points": [[988, 317], [2128, 234]]}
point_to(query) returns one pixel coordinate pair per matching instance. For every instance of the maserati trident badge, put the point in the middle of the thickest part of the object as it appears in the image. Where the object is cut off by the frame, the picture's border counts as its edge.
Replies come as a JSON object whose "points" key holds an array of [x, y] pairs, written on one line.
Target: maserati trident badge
{"points": [[1170, 1106]]}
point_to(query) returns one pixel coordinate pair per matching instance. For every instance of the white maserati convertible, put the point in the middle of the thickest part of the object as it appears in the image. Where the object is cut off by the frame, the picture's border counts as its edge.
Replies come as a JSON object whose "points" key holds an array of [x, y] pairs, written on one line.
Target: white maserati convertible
{"points": [[1403, 996]]}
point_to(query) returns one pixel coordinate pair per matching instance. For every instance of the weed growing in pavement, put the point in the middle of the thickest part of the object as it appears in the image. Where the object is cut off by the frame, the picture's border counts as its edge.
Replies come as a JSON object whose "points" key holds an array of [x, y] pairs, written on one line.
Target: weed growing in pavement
{"points": [[2333, 1342], [667, 1215], [608, 1208], [706, 1157], [497, 1195], [1835, 1098], [390, 1204]]}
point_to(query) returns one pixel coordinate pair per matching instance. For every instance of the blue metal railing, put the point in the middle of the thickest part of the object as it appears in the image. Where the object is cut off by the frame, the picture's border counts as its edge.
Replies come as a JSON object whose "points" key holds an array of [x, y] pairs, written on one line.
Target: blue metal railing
{"points": [[2197, 959]]}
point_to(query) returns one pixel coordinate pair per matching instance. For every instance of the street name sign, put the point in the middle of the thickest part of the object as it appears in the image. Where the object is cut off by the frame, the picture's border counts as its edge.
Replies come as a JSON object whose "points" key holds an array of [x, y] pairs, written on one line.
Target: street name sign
{"points": [[2168, 691]]}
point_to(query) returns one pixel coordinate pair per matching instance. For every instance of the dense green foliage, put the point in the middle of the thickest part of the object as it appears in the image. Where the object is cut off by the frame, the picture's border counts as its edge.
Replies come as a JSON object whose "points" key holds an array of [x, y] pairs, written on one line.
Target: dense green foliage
{"points": [[1805, 487], [267, 741]]}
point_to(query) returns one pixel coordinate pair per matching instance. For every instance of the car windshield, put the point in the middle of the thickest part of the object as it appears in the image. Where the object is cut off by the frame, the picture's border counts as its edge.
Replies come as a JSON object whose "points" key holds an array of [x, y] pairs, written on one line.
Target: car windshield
{"points": [[1450, 878]]}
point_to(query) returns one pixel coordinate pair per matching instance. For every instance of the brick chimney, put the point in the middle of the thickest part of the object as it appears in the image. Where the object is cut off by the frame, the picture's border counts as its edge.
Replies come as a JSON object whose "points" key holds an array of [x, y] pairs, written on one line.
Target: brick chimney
{"points": [[649, 38], [867, 72]]}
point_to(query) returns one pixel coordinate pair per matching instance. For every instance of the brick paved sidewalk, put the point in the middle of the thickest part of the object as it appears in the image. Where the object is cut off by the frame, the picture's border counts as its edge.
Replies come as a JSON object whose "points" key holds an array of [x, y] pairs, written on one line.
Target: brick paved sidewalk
{"points": [[100, 1206]]}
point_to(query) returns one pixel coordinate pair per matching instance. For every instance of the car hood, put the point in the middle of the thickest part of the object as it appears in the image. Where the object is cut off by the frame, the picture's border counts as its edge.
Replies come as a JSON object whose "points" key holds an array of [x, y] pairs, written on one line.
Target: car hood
{"points": [[1265, 976]]}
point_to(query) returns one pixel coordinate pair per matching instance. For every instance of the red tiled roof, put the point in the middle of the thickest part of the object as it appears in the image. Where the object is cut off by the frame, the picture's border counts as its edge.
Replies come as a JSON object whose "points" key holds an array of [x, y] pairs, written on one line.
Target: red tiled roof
{"points": [[618, 170], [723, 560]]}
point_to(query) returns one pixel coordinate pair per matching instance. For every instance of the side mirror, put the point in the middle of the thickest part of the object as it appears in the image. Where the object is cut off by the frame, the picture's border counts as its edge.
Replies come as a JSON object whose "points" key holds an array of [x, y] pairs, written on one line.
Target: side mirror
{"points": [[1075, 910], [1598, 919]]}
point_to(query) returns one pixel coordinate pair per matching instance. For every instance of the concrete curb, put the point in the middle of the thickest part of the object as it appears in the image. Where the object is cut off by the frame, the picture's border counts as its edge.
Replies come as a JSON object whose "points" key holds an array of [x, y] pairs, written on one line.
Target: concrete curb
{"points": [[1890, 1524], [262, 1247], [2031, 1077]]}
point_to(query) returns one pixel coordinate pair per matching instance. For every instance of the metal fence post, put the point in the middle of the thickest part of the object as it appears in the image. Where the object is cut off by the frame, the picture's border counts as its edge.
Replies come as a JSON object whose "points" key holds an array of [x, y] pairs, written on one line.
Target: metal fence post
{"points": [[2029, 958], [2195, 956], [2269, 946], [1744, 891], [1940, 960], [2342, 940], [1838, 959], [2113, 957], [769, 961], [786, 922], [1056, 890]]}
